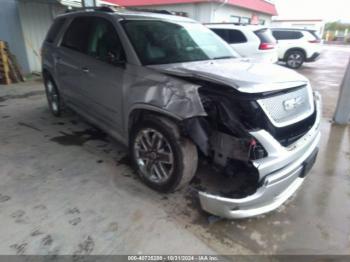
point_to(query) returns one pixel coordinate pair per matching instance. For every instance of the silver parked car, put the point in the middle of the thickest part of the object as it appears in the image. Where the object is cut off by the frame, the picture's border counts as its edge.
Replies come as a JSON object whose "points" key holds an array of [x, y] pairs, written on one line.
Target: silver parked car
{"points": [[174, 92]]}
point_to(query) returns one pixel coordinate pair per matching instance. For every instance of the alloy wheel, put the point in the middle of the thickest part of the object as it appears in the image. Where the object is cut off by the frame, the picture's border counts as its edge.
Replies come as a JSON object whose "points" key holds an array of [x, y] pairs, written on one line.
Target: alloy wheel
{"points": [[52, 96], [154, 155], [295, 60]]}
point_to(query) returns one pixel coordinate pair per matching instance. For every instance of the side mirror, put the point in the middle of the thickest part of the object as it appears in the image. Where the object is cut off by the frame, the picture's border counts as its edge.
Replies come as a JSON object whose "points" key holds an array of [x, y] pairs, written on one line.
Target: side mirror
{"points": [[112, 59]]}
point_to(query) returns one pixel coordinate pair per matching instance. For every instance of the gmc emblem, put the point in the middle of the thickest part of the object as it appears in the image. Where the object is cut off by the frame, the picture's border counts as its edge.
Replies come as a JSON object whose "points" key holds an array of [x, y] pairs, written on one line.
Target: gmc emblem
{"points": [[293, 103]]}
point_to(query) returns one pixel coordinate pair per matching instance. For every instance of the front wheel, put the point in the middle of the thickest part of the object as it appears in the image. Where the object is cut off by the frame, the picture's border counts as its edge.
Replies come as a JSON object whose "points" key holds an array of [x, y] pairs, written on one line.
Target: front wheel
{"points": [[164, 160], [295, 59]]}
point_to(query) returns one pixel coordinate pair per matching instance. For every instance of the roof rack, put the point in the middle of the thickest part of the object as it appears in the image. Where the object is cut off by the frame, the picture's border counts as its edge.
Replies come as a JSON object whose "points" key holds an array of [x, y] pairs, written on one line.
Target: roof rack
{"points": [[164, 12], [225, 23], [293, 29], [107, 9], [112, 9]]}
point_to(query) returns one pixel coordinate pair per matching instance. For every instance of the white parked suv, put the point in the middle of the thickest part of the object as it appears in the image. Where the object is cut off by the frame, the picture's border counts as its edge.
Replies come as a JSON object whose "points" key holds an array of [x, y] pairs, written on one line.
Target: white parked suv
{"points": [[296, 46], [251, 41]]}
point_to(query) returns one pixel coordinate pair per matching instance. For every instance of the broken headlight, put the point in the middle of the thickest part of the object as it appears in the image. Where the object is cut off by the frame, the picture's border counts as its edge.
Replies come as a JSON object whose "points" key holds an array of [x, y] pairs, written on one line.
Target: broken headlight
{"points": [[224, 133]]}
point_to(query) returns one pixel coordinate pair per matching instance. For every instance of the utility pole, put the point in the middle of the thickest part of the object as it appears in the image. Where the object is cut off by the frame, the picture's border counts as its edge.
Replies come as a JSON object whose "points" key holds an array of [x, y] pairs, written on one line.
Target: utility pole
{"points": [[342, 112]]}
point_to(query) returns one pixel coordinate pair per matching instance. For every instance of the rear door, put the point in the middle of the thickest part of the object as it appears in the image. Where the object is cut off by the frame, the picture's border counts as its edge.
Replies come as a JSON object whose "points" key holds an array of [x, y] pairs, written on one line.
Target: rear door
{"points": [[70, 60]]}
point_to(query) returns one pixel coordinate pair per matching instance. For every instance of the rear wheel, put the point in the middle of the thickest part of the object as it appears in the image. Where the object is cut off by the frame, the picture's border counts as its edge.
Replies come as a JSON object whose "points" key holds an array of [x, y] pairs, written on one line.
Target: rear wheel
{"points": [[53, 97], [295, 59], [164, 160]]}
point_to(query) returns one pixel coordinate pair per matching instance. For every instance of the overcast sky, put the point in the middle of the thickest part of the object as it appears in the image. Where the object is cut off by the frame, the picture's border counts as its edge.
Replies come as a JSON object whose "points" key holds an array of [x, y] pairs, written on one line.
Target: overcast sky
{"points": [[311, 9]]}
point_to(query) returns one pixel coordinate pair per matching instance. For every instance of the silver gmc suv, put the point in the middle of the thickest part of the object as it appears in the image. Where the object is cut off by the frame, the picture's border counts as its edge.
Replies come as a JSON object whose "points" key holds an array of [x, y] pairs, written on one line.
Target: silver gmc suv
{"points": [[175, 93]]}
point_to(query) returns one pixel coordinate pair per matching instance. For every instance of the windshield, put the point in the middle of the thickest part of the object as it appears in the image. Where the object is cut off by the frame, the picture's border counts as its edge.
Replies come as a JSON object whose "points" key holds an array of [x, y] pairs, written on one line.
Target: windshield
{"points": [[159, 42]]}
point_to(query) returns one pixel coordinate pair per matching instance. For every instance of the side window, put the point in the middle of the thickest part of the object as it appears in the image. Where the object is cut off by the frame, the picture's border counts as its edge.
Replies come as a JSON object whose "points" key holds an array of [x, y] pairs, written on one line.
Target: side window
{"points": [[55, 29], [231, 36], [297, 35], [285, 35], [223, 33], [104, 43], [77, 35], [236, 36], [279, 35]]}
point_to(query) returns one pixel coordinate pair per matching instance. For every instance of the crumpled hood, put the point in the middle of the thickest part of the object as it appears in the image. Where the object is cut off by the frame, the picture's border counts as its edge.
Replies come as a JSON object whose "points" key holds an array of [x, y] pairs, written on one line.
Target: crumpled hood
{"points": [[242, 74]]}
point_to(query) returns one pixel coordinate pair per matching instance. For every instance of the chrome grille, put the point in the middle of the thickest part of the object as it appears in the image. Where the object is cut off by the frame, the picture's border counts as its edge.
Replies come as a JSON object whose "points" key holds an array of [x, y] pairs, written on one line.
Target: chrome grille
{"points": [[290, 107]]}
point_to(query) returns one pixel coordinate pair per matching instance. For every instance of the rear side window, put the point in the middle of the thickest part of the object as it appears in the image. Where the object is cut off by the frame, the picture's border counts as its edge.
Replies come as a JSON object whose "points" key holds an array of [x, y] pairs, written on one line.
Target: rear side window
{"points": [[77, 34], [284, 35], [231, 36], [265, 36], [55, 29], [223, 33], [236, 36]]}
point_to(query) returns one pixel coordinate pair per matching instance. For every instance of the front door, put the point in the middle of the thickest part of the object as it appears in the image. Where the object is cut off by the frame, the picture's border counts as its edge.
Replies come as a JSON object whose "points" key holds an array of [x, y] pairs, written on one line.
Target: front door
{"points": [[103, 70]]}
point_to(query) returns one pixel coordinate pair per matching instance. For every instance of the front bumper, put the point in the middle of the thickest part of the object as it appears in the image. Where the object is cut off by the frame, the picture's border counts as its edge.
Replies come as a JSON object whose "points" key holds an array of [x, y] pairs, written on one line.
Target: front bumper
{"points": [[281, 173]]}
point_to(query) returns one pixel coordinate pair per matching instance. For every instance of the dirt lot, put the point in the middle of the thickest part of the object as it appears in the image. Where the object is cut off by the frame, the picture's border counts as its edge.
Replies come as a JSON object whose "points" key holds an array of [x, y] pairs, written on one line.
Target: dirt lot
{"points": [[67, 188]]}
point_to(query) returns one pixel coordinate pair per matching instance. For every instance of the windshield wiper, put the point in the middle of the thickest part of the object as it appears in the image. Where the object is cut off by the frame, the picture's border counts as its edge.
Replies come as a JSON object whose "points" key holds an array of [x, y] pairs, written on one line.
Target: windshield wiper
{"points": [[222, 57]]}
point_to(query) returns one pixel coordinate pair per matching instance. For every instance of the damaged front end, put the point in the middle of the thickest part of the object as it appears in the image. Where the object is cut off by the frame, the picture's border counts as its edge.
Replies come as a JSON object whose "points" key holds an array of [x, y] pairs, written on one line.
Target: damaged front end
{"points": [[258, 138], [252, 166]]}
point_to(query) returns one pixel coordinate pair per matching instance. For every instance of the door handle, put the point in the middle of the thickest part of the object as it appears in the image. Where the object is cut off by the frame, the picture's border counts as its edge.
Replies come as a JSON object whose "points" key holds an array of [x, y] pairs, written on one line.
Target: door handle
{"points": [[85, 69]]}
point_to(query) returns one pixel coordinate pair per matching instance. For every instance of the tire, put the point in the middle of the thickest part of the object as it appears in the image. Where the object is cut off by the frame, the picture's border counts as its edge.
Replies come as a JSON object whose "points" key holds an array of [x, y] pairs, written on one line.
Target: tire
{"points": [[165, 161], [295, 59], [54, 99]]}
